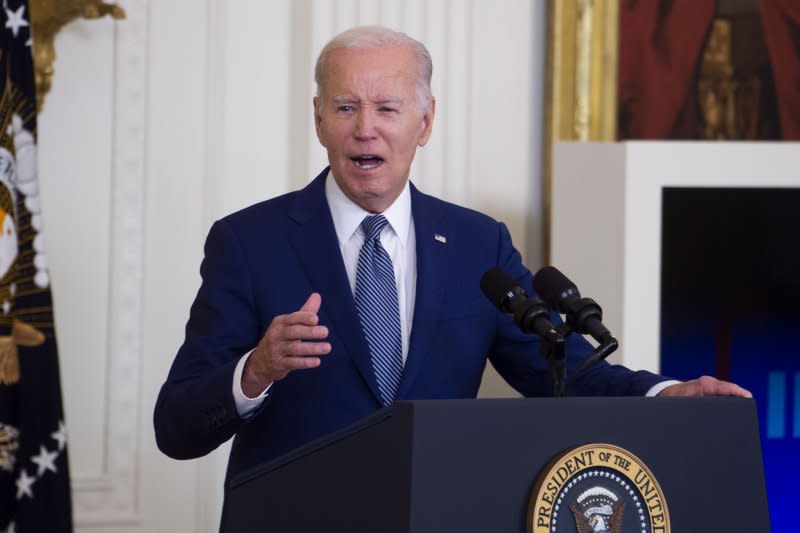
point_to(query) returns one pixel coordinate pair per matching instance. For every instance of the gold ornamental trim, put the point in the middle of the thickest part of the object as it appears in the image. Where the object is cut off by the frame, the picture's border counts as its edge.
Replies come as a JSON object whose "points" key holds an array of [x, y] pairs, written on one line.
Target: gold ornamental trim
{"points": [[581, 90], [47, 19], [596, 484]]}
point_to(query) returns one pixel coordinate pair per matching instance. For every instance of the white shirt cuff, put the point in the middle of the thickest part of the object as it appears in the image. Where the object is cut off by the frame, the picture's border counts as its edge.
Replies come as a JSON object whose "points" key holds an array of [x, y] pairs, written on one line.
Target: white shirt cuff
{"points": [[245, 405], [655, 389]]}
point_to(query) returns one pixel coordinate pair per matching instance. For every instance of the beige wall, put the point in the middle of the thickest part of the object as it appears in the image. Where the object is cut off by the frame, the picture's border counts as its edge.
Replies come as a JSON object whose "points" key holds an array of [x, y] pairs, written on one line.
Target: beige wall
{"points": [[188, 110]]}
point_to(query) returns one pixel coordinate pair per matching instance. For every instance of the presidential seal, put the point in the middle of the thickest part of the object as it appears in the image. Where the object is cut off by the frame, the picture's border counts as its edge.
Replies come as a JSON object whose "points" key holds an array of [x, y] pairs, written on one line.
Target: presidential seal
{"points": [[597, 488]]}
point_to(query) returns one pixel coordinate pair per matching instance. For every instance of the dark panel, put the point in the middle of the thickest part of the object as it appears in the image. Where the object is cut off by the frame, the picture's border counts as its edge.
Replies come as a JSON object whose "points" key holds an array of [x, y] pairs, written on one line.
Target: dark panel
{"points": [[354, 480], [730, 293]]}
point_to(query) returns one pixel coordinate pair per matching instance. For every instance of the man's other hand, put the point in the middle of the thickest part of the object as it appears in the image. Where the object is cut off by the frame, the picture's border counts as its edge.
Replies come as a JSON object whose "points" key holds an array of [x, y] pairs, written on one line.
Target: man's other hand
{"points": [[291, 342], [705, 386]]}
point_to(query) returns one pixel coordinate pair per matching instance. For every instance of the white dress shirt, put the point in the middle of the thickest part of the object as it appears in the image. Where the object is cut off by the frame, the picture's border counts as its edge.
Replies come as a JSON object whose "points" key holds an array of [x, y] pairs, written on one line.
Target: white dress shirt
{"points": [[397, 237]]}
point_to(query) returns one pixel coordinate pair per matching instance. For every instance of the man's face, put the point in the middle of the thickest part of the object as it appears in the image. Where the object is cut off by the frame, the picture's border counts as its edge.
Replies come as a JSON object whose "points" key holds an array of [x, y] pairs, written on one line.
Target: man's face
{"points": [[368, 117]]}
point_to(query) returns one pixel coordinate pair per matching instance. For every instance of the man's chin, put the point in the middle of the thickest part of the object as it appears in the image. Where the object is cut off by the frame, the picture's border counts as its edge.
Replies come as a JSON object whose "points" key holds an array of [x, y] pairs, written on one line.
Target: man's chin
{"points": [[374, 199]]}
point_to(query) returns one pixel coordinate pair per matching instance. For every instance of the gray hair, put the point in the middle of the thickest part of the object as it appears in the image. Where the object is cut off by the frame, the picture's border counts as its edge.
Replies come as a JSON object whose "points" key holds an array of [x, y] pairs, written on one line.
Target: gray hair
{"points": [[366, 37]]}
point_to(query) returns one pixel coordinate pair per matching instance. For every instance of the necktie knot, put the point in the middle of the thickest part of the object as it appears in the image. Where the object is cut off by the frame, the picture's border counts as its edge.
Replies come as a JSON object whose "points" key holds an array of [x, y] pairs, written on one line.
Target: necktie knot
{"points": [[372, 226]]}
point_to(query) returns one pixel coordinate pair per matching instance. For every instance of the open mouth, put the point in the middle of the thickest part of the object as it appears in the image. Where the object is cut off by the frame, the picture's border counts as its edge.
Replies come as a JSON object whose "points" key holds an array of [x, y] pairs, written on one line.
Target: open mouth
{"points": [[367, 161]]}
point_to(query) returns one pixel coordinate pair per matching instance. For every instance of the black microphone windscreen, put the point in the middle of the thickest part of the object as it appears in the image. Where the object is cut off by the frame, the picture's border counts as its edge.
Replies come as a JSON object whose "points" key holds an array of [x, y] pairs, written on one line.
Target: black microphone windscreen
{"points": [[553, 286], [496, 285]]}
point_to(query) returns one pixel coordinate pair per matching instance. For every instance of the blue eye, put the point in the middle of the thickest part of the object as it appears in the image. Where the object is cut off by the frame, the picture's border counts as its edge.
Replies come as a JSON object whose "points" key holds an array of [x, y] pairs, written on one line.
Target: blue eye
{"points": [[344, 108], [385, 109]]}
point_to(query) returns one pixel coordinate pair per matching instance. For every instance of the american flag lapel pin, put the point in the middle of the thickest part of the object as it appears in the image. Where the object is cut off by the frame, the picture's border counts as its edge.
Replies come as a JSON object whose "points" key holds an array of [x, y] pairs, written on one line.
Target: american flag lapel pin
{"points": [[440, 238]]}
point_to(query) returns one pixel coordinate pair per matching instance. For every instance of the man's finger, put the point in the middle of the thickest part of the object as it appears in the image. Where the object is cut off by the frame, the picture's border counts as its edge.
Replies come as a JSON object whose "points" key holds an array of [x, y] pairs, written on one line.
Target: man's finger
{"points": [[303, 349], [306, 315], [313, 303], [304, 332], [299, 363], [298, 317], [706, 386], [723, 388]]}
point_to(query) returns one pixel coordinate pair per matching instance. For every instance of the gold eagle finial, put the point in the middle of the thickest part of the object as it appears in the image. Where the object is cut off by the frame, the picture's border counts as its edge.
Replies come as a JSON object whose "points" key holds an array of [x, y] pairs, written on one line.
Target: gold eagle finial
{"points": [[47, 19]]}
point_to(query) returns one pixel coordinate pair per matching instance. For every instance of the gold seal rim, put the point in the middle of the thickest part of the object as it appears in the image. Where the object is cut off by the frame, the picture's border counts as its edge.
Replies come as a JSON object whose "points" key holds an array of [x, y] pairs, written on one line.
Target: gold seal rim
{"points": [[536, 494]]}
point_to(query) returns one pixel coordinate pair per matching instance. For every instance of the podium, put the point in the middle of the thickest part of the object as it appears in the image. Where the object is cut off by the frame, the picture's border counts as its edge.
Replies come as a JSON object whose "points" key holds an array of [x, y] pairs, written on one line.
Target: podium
{"points": [[439, 466]]}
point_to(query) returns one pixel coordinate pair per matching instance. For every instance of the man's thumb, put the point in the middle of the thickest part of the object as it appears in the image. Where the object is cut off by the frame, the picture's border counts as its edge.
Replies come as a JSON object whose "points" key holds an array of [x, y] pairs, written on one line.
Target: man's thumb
{"points": [[313, 303]]}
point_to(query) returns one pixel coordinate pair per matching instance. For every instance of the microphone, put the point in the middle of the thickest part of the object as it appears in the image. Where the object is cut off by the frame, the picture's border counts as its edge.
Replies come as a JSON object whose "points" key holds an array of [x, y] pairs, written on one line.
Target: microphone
{"points": [[583, 314], [530, 314]]}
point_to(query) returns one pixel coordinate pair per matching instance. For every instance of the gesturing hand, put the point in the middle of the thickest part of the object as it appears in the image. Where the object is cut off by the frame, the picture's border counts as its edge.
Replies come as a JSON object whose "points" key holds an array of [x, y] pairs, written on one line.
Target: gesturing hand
{"points": [[291, 342]]}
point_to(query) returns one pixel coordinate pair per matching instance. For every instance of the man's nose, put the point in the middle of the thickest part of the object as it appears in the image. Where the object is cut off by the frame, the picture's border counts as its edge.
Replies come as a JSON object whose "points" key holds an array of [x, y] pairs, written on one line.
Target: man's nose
{"points": [[365, 125]]}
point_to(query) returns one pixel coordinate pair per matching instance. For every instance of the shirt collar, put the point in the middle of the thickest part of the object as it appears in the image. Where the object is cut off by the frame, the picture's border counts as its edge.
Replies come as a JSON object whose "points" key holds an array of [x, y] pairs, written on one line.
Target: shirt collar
{"points": [[347, 215]]}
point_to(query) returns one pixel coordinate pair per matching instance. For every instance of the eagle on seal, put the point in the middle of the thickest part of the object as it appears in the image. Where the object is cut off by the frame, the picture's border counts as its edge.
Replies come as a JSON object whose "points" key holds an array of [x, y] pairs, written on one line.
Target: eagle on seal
{"points": [[598, 510]]}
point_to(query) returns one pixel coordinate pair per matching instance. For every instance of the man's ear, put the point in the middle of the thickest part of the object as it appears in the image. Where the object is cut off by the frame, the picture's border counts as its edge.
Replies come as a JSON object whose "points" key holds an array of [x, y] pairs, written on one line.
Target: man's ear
{"points": [[318, 120], [427, 123]]}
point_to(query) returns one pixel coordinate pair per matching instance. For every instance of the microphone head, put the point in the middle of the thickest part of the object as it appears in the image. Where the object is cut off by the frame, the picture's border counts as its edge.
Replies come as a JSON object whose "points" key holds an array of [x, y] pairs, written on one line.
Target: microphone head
{"points": [[499, 287], [555, 288]]}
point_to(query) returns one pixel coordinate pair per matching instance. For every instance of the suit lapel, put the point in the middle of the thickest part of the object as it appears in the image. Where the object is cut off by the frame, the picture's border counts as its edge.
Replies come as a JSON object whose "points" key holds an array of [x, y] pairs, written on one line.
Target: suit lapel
{"points": [[314, 240], [432, 261]]}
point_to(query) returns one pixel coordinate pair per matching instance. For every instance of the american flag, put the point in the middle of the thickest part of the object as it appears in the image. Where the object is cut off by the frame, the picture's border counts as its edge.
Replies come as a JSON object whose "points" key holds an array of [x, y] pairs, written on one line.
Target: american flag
{"points": [[34, 474]]}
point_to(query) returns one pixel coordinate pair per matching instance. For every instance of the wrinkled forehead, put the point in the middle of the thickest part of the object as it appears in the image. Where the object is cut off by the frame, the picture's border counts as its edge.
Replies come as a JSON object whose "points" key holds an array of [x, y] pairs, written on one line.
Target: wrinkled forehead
{"points": [[385, 72]]}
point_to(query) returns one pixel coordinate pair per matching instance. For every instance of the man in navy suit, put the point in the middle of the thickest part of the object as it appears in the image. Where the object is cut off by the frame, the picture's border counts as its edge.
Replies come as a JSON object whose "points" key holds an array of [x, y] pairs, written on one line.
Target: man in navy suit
{"points": [[276, 353]]}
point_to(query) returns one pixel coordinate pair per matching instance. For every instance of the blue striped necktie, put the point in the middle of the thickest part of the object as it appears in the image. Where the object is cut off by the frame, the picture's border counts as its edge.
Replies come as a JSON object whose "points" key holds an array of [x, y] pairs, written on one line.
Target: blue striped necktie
{"points": [[378, 310]]}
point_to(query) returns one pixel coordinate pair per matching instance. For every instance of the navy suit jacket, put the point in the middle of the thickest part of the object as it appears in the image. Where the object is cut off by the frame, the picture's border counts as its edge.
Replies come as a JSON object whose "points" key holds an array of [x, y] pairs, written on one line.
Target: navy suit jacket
{"points": [[265, 260]]}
